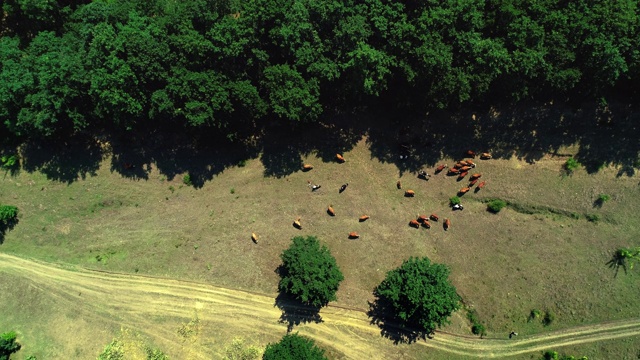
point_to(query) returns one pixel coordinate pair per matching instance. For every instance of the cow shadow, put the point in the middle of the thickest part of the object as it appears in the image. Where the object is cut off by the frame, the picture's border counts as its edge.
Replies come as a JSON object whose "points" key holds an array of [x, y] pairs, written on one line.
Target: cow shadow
{"points": [[294, 312], [382, 315]]}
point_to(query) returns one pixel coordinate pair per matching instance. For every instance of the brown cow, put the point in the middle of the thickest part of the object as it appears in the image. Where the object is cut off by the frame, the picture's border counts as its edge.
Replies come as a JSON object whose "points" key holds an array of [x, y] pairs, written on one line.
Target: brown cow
{"points": [[457, 165], [422, 218], [471, 163], [414, 223], [254, 237], [463, 191], [476, 176], [473, 182], [470, 153], [353, 235], [482, 184], [330, 211], [433, 217], [297, 224], [454, 171], [485, 156], [462, 175], [307, 167], [463, 163], [363, 218], [340, 158], [465, 168], [441, 167], [447, 224], [399, 185], [426, 224], [409, 193]]}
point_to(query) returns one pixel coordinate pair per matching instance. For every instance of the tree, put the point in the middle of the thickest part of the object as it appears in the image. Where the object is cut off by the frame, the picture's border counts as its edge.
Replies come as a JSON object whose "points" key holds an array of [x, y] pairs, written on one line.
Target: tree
{"points": [[309, 272], [293, 347], [8, 345], [418, 294]]}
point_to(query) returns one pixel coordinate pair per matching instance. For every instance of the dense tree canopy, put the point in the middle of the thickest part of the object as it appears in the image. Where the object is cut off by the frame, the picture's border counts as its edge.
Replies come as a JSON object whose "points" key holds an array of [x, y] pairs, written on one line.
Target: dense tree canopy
{"points": [[69, 65], [309, 272], [293, 347], [418, 294]]}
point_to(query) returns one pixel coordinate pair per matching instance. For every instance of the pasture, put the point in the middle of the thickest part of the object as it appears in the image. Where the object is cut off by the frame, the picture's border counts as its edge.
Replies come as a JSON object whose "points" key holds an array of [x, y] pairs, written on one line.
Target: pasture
{"points": [[540, 252]]}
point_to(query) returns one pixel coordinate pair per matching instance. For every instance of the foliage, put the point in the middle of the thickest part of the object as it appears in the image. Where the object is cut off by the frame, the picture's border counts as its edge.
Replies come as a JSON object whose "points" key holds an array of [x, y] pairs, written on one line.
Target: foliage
{"points": [[113, 351], [496, 205], [553, 355], [9, 161], [186, 179], [8, 345], [419, 294], [238, 350], [454, 200], [476, 328], [549, 317], [604, 198], [571, 165], [534, 314], [293, 347], [624, 257], [592, 217], [8, 214], [309, 272]]}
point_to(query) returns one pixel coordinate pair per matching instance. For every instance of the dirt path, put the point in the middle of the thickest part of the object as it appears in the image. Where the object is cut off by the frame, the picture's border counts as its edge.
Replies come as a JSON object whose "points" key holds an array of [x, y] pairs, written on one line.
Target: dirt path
{"points": [[141, 300]]}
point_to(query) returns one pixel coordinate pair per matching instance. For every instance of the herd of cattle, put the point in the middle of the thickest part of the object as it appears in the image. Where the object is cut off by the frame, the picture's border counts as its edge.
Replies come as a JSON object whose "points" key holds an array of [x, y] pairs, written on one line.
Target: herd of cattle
{"points": [[461, 169]]}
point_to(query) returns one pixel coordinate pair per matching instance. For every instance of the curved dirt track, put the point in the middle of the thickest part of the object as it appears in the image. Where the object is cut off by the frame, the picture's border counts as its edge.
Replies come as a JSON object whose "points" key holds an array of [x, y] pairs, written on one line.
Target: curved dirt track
{"points": [[347, 331]]}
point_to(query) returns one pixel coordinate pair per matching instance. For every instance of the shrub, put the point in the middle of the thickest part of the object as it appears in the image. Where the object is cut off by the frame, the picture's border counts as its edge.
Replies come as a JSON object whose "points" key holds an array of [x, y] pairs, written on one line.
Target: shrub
{"points": [[478, 329], [454, 200], [602, 198], [571, 165], [242, 163], [309, 272], [8, 214], [293, 347], [592, 217], [237, 350], [187, 180], [9, 161], [496, 205], [534, 314], [233, 190], [549, 317], [8, 345]]}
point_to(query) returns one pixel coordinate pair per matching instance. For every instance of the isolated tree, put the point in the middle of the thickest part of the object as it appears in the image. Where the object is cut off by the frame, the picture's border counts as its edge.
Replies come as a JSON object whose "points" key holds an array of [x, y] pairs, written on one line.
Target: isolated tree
{"points": [[8, 345], [293, 347], [309, 272], [418, 294]]}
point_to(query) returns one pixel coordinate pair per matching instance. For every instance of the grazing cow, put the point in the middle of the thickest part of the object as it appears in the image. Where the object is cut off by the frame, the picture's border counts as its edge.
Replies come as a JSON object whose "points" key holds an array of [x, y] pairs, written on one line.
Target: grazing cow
{"points": [[254, 237], [343, 187], [426, 224], [453, 171], [353, 235], [441, 167], [340, 158], [485, 156], [457, 165], [482, 184], [447, 224], [307, 167], [471, 163], [473, 182], [462, 175], [297, 224], [433, 217], [463, 191], [409, 193], [465, 168], [399, 185], [423, 175], [470, 153], [476, 176], [414, 223], [463, 163], [363, 218], [422, 218], [457, 207], [315, 187], [330, 211]]}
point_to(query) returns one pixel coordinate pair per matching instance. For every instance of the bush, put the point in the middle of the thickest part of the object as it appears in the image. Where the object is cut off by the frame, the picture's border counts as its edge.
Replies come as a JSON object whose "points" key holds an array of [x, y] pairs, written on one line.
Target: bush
{"points": [[237, 350], [187, 180], [534, 314], [418, 294], [496, 205], [8, 213], [602, 198], [549, 317], [9, 161], [8, 345], [478, 329], [242, 163], [454, 200], [293, 347], [571, 165], [309, 272], [592, 217]]}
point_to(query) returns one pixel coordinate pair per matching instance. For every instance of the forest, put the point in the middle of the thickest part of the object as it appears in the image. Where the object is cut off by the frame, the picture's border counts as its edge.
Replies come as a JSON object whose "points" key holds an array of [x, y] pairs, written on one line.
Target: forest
{"points": [[233, 70]]}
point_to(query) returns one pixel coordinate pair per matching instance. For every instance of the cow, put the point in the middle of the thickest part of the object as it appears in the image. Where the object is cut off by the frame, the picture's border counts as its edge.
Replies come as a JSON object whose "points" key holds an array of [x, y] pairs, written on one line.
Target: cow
{"points": [[462, 175], [254, 237], [330, 211], [399, 185], [447, 224], [414, 223], [482, 184], [465, 168], [475, 176], [433, 217], [453, 172], [353, 235], [473, 182], [441, 167], [363, 218], [471, 163], [307, 167], [457, 207], [463, 191], [422, 218], [485, 156], [463, 163], [340, 158], [343, 188], [426, 224], [315, 187], [409, 193], [423, 175], [297, 224], [470, 153], [457, 165]]}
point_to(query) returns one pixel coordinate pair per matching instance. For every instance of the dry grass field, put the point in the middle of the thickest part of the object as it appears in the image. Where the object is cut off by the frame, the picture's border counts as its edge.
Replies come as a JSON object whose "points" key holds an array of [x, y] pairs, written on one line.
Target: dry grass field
{"points": [[538, 253]]}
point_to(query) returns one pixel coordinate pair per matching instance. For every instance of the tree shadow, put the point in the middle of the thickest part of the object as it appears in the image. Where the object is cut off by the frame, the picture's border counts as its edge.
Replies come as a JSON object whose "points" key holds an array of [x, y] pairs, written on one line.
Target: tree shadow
{"points": [[294, 312], [5, 227], [382, 315], [617, 261]]}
